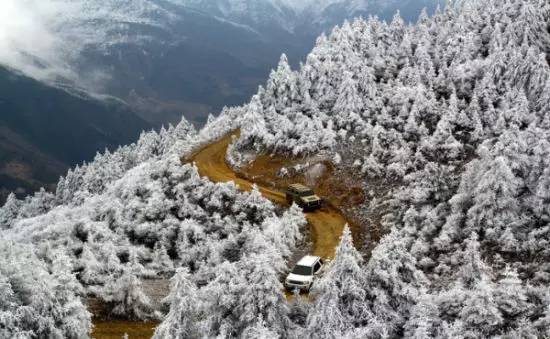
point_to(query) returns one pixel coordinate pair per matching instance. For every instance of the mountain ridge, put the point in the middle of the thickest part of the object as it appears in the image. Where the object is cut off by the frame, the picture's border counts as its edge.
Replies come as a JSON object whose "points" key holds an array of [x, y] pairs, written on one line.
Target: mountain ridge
{"points": [[46, 130]]}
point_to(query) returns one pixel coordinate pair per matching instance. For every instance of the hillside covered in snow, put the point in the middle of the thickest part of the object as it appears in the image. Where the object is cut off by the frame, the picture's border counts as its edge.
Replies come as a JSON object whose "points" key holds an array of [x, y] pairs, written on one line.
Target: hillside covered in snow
{"points": [[304, 16], [146, 61], [444, 124], [168, 57]]}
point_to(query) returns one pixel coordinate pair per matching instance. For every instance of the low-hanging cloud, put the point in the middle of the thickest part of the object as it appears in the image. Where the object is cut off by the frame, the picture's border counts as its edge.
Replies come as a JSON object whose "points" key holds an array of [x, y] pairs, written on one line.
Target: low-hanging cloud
{"points": [[30, 39], [44, 38]]}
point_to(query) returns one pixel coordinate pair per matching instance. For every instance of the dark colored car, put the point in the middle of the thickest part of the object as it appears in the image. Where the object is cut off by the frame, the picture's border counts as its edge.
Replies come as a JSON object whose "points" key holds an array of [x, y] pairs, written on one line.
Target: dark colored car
{"points": [[303, 196]]}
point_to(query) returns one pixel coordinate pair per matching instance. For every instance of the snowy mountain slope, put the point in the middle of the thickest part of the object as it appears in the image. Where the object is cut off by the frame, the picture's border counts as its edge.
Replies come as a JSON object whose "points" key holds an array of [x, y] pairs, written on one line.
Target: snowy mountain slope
{"points": [[253, 13], [449, 120], [45, 40], [313, 16], [444, 124], [161, 58], [172, 218], [45, 130], [156, 58]]}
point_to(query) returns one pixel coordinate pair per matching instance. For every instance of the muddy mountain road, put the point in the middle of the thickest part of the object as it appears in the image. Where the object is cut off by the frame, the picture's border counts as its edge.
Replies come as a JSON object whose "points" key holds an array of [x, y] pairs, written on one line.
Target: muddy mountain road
{"points": [[326, 224]]}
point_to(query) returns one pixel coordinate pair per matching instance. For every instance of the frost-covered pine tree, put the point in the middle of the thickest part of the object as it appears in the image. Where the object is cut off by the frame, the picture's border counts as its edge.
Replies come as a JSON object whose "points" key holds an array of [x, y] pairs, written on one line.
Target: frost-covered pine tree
{"points": [[91, 268], [286, 232], [340, 296], [424, 321], [511, 296], [255, 128], [221, 298], [281, 88], [162, 264], [73, 313], [126, 293], [497, 184], [480, 311], [349, 105], [183, 319], [35, 303], [393, 282], [263, 296], [10, 211], [259, 331]]}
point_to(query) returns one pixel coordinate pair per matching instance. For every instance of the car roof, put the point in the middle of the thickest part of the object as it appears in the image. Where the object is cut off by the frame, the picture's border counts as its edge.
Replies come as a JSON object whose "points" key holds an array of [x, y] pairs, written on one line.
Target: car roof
{"points": [[308, 260], [299, 187]]}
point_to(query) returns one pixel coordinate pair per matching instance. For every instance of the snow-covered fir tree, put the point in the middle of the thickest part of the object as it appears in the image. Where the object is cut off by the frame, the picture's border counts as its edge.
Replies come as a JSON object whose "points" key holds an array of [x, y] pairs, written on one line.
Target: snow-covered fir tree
{"points": [[183, 319], [449, 115], [340, 299], [37, 303]]}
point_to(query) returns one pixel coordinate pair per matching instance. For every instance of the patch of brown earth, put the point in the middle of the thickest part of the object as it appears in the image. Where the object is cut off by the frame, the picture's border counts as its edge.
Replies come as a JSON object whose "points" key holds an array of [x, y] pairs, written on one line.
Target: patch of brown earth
{"points": [[339, 188], [17, 170], [105, 327], [116, 329], [326, 224]]}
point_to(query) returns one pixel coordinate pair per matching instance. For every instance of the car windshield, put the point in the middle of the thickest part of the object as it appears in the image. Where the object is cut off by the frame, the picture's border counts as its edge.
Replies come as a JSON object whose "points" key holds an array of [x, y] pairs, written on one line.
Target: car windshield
{"points": [[301, 270], [306, 193]]}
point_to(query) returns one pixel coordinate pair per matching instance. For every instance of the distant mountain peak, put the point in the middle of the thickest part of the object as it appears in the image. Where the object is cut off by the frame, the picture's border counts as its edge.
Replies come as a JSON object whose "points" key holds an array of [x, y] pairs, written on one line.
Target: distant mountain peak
{"points": [[290, 14]]}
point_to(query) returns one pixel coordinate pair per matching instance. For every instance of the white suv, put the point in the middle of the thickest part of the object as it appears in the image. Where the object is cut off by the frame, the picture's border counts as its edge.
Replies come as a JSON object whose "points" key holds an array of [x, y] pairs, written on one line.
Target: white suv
{"points": [[303, 273]]}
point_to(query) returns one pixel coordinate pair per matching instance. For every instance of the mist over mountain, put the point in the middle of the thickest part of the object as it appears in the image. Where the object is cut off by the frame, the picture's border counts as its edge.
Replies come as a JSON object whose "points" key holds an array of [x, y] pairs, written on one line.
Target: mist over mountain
{"points": [[159, 58], [168, 57], [308, 16]]}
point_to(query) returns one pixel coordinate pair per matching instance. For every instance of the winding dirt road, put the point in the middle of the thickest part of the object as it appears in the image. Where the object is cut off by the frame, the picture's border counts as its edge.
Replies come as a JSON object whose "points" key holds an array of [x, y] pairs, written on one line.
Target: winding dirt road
{"points": [[327, 224], [326, 227]]}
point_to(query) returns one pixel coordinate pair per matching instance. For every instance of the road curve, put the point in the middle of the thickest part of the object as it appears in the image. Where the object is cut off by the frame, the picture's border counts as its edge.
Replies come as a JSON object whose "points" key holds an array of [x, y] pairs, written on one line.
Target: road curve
{"points": [[326, 224]]}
